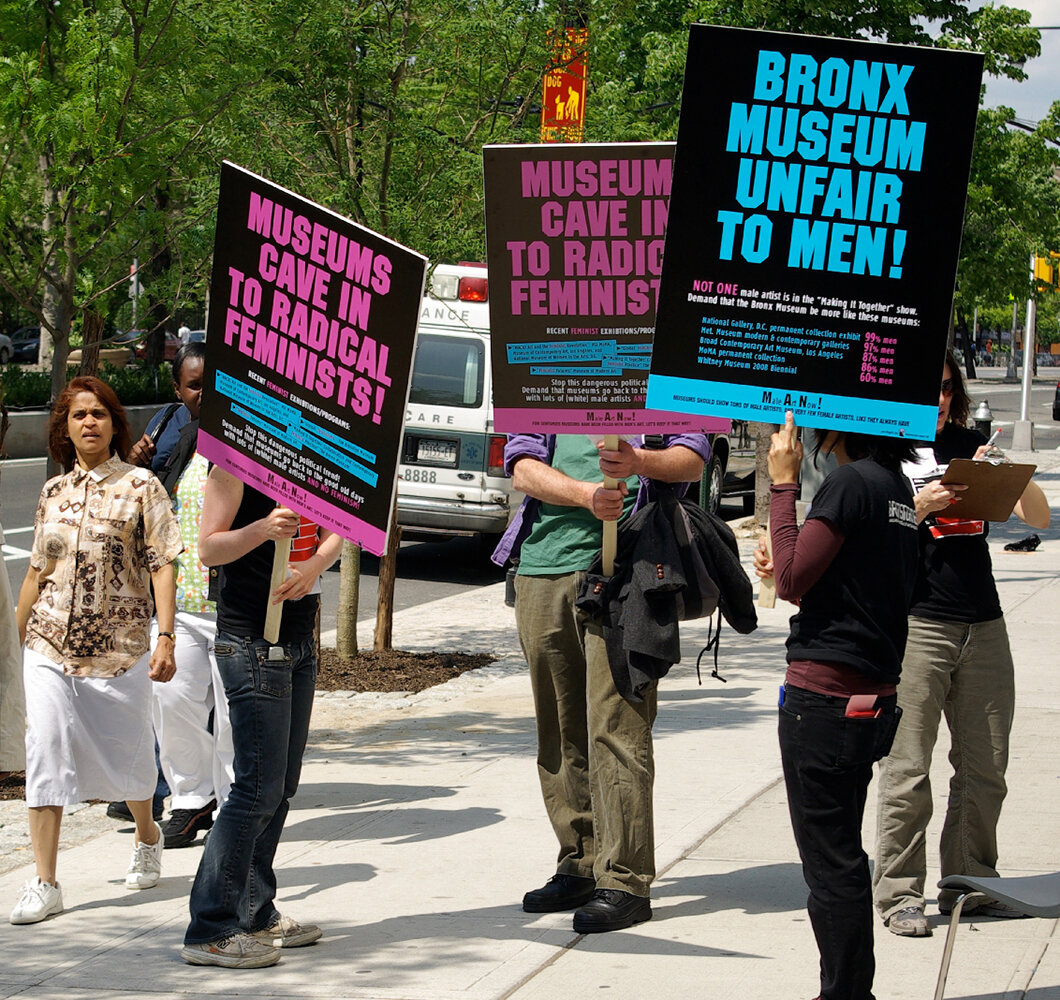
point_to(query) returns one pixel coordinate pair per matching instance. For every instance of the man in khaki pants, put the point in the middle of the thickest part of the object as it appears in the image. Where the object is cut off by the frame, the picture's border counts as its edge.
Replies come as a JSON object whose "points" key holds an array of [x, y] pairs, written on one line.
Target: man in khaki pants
{"points": [[594, 748]]}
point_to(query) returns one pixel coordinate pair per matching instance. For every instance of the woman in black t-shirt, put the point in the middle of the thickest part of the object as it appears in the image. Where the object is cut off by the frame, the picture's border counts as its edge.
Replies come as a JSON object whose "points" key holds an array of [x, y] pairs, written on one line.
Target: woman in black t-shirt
{"points": [[957, 662], [851, 570]]}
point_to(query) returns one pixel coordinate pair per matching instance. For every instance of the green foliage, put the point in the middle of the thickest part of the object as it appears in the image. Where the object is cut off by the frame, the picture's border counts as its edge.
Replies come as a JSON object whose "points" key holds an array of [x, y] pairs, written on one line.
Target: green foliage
{"points": [[1013, 208], [22, 388], [114, 118]]}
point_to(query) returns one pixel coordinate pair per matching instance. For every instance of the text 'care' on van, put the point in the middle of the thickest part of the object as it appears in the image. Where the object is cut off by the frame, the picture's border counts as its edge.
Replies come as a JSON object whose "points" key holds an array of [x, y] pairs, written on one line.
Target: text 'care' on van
{"points": [[451, 475]]}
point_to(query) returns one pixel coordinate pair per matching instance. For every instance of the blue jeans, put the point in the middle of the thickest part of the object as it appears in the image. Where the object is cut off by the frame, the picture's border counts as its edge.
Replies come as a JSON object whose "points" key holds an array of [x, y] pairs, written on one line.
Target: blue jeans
{"points": [[828, 762], [269, 703]]}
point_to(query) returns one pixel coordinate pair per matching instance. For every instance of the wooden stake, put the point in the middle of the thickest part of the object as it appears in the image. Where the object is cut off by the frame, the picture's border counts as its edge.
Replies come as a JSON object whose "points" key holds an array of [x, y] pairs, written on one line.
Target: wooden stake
{"points": [[279, 574], [610, 539], [767, 588]]}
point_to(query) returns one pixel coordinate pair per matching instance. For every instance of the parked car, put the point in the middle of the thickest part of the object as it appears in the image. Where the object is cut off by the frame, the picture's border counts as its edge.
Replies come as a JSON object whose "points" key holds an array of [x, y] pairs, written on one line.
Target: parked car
{"points": [[170, 345], [26, 344], [7, 349], [731, 472], [1056, 403], [116, 349]]}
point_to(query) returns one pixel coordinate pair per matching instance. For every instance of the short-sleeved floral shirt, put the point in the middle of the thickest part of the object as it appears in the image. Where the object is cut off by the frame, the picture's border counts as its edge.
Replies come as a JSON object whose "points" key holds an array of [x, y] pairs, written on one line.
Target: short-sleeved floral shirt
{"points": [[193, 579], [98, 537]]}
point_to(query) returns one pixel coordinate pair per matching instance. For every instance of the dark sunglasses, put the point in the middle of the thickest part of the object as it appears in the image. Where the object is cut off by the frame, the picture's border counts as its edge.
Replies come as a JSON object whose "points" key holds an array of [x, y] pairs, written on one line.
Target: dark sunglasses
{"points": [[947, 387]]}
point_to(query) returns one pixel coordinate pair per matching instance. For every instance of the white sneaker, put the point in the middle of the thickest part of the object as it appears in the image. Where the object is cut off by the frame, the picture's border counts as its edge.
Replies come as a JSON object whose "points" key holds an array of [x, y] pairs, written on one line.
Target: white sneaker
{"points": [[145, 868], [38, 901]]}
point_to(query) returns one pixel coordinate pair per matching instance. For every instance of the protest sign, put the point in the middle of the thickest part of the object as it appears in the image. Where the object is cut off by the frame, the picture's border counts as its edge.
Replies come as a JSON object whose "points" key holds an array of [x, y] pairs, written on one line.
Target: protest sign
{"points": [[574, 237], [815, 223], [308, 352]]}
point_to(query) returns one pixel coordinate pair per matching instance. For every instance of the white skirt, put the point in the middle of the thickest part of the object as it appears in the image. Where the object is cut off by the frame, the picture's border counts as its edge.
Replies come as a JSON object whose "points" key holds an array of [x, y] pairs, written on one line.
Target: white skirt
{"points": [[87, 737]]}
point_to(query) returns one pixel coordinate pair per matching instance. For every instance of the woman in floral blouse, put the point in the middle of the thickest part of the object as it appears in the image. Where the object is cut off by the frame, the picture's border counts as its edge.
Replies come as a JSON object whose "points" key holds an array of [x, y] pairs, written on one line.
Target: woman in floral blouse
{"points": [[104, 535]]}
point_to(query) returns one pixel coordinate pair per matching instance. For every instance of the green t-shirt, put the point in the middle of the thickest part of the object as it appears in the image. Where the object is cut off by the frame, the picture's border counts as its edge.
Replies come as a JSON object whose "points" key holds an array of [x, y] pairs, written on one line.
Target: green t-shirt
{"points": [[567, 539]]}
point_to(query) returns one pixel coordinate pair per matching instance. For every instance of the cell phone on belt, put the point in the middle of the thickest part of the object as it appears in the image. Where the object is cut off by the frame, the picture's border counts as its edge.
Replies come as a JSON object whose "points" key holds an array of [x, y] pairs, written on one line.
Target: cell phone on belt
{"points": [[862, 706]]}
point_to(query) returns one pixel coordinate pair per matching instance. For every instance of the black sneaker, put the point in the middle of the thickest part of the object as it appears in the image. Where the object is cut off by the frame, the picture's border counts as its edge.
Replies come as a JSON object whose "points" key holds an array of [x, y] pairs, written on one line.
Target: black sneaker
{"points": [[119, 810], [183, 825], [1028, 544]]}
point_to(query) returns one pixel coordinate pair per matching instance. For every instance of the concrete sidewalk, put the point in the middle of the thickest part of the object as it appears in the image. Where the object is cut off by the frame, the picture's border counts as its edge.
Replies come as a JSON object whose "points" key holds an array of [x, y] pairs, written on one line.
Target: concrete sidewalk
{"points": [[418, 827]]}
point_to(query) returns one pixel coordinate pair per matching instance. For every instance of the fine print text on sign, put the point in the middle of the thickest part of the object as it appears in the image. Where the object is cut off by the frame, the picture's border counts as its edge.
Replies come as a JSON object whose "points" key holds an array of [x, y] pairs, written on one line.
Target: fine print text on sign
{"points": [[815, 224], [309, 349], [575, 237]]}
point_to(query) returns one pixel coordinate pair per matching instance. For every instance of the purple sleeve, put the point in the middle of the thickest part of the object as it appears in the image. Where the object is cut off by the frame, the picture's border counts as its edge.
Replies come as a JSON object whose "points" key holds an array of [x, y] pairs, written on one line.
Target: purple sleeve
{"points": [[525, 446], [697, 442], [799, 557]]}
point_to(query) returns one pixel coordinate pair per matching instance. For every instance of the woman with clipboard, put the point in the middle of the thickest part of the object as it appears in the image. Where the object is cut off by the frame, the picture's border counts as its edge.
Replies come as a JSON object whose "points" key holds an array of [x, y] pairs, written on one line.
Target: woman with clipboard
{"points": [[958, 663]]}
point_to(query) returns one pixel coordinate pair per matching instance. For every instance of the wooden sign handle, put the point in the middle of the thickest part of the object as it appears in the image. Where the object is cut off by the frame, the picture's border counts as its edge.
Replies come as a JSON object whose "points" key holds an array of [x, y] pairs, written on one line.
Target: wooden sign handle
{"points": [[610, 539], [279, 574]]}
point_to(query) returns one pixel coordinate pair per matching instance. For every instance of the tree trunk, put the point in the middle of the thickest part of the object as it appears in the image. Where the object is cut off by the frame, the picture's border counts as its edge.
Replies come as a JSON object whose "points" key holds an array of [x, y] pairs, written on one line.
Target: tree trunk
{"points": [[91, 336], [349, 598], [60, 276], [157, 314], [763, 433], [384, 613]]}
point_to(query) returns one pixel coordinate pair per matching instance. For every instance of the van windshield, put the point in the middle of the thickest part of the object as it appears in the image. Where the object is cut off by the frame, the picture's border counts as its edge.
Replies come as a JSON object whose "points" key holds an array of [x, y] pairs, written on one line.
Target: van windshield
{"points": [[448, 371]]}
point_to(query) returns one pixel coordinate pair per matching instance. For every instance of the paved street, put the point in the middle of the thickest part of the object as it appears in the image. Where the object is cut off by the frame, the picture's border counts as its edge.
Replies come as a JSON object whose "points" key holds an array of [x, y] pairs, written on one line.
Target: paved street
{"points": [[418, 827]]}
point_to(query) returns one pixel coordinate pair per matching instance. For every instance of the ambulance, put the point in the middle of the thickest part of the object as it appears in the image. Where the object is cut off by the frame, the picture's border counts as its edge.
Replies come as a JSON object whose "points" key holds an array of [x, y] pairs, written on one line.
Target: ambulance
{"points": [[451, 474]]}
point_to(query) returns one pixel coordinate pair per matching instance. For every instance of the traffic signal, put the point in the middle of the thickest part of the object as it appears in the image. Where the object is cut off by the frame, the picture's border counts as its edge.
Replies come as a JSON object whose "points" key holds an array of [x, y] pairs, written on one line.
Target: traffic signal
{"points": [[1046, 272]]}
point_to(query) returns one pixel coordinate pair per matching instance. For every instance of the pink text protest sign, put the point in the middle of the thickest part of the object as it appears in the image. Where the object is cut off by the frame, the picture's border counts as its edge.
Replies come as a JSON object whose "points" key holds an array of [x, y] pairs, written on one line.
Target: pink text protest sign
{"points": [[575, 239], [309, 350]]}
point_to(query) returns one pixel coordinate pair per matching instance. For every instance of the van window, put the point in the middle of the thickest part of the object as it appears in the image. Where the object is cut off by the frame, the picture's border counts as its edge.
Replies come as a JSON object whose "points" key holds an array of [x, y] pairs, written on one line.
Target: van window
{"points": [[448, 371]]}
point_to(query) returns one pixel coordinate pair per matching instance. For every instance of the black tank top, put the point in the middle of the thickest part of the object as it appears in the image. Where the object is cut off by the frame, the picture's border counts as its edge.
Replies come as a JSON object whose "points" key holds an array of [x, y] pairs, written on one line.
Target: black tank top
{"points": [[243, 603]]}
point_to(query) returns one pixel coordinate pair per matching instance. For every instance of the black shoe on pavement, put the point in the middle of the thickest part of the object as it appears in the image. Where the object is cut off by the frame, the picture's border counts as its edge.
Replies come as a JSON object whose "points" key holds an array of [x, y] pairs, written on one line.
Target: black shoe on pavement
{"points": [[561, 892], [1028, 544], [183, 825], [119, 810], [611, 910]]}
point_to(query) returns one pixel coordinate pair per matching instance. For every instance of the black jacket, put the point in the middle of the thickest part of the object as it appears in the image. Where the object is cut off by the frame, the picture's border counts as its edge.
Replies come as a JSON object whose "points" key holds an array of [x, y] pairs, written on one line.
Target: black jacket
{"points": [[674, 562]]}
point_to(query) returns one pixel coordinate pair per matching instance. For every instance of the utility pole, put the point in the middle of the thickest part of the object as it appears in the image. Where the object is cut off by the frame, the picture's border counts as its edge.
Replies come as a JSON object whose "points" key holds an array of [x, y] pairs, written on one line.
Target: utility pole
{"points": [[1023, 430]]}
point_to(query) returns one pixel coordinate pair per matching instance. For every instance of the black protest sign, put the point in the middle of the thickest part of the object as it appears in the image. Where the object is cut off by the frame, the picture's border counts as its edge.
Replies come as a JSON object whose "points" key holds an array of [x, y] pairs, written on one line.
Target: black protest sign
{"points": [[815, 224], [575, 242], [308, 354]]}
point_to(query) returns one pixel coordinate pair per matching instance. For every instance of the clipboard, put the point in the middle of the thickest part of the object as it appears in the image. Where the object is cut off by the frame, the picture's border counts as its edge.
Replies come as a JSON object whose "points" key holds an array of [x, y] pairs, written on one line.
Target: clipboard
{"points": [[992, 489]]}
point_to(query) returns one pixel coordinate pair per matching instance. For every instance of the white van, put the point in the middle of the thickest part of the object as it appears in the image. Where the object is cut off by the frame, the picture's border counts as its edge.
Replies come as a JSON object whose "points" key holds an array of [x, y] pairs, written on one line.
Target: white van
{"points": [[451, 475]]}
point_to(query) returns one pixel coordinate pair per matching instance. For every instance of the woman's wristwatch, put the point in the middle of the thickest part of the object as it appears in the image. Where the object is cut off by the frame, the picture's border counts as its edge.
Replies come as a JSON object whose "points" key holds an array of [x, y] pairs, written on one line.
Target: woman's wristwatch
{"points": [[168, 635]]}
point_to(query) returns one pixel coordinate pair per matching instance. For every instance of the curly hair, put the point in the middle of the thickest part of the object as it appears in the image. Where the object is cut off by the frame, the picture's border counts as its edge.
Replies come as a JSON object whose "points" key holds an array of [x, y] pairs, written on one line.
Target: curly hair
{"points": [[60, 447]]}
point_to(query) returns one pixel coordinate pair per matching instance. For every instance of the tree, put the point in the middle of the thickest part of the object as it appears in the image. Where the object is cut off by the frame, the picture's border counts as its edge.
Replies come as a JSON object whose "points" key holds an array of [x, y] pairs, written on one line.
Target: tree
{"points": [[105, 106]]}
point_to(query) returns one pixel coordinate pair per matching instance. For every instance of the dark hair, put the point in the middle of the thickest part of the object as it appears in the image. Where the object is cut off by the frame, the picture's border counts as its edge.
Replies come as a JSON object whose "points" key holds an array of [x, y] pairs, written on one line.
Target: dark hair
{"points": [[184, 353], [60, 447], [960, 402], [890, 452]]}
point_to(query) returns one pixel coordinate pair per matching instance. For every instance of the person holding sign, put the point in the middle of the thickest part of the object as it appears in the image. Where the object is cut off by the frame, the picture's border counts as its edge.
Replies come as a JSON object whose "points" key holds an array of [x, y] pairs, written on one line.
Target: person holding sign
{"points": [[269, 686], [105, 536], [594, 754], [957, 663], [851, 571]]}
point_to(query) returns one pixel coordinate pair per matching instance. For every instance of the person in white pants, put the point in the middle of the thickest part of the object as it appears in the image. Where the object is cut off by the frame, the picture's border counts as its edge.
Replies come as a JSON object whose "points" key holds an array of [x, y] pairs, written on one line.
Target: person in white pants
{"points": [[196, 755]]}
